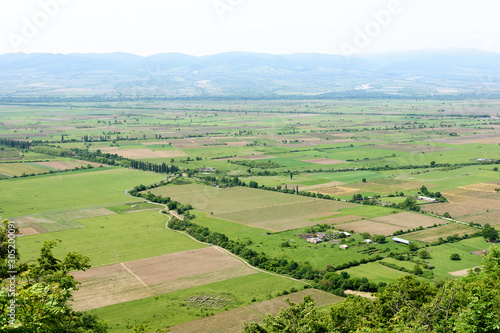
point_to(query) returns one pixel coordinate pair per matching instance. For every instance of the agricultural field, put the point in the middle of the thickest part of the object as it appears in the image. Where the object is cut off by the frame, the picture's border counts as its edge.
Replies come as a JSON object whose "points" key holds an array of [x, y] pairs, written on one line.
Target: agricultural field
{"points": [[94, 188], [143, 278], [112, 239], [442, 231], [232, 320], [173, 308], [266, 174], [267, 210]]}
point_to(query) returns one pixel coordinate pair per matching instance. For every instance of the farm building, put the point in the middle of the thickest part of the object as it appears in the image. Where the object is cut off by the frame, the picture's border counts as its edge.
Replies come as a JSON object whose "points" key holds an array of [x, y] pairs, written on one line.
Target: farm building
{"points": [[401, 240], [367, 241], [314, 240], [346, 233], [427, 199], [344, 246], [321, 235]]}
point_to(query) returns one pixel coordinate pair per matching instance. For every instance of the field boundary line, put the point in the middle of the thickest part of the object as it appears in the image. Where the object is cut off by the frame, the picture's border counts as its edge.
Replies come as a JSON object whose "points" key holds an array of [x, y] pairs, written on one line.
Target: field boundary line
{"points": [[134, 275]]}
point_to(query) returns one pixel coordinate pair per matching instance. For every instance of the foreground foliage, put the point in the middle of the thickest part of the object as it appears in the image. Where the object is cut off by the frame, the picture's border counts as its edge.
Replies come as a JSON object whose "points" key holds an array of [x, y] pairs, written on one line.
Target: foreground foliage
{"points": [[35, 297], [467, 305]]}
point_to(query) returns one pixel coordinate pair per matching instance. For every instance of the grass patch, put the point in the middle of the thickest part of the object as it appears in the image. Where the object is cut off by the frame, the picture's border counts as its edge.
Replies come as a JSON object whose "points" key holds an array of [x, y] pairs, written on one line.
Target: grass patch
{"points": [[70, 190], [113, 239]]}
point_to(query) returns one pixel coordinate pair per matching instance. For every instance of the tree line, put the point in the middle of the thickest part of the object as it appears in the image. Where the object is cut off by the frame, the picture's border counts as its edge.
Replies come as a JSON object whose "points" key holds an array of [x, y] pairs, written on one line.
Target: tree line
{"points": [[14, 143]]}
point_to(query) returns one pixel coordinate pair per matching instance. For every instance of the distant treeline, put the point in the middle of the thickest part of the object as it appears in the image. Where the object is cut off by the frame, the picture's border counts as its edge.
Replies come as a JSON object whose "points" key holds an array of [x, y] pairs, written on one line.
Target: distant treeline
{"points": [[158, 168], [342, 95], [14, 143]]}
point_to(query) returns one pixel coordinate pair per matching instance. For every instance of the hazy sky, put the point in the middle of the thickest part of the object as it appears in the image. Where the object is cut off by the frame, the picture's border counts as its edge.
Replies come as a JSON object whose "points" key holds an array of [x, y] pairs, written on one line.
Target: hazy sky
{"points": [[200, 27]]}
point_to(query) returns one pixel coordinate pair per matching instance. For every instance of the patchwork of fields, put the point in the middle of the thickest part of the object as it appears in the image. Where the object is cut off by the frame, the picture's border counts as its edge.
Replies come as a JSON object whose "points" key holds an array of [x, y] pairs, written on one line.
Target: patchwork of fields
{"points": [[142, 278], [142, 271], [267, 210]]}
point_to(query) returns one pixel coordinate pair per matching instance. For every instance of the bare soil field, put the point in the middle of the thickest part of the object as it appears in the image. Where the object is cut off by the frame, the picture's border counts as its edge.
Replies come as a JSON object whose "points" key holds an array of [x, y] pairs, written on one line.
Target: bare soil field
{"points": [[483, 195], [337, 190], [372, 227], [319, 186], [153, 276], [324, 161], [456, 195], [409, 148], [27, 231], [408, 220], [493, 218], [286, 216], [144, 153], [433, 234], [59, 165], [232, 320], [458, 209], [387, 186]]}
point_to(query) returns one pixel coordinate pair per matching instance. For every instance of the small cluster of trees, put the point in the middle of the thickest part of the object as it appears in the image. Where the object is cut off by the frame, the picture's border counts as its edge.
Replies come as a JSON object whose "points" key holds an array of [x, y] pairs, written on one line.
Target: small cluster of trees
{"points": [[489, 233], [359, 198], [53, 151], [409, 204], [436, 195], [338, 283], [256, 164]]}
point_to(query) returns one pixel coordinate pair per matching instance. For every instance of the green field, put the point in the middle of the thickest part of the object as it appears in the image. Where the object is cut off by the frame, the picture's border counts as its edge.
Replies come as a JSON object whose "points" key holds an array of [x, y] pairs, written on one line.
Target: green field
{"points": [[70, 190], [114, 238]]}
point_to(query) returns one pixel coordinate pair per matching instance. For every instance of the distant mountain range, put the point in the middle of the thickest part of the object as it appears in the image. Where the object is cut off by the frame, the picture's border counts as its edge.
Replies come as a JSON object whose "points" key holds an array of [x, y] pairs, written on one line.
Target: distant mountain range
{"points": [[251, 75]]}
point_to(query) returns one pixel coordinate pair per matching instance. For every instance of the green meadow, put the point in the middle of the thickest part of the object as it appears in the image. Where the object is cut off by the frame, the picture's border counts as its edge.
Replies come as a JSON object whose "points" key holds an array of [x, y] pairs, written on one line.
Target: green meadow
{"points": [[70, 190], [113, 239]]}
